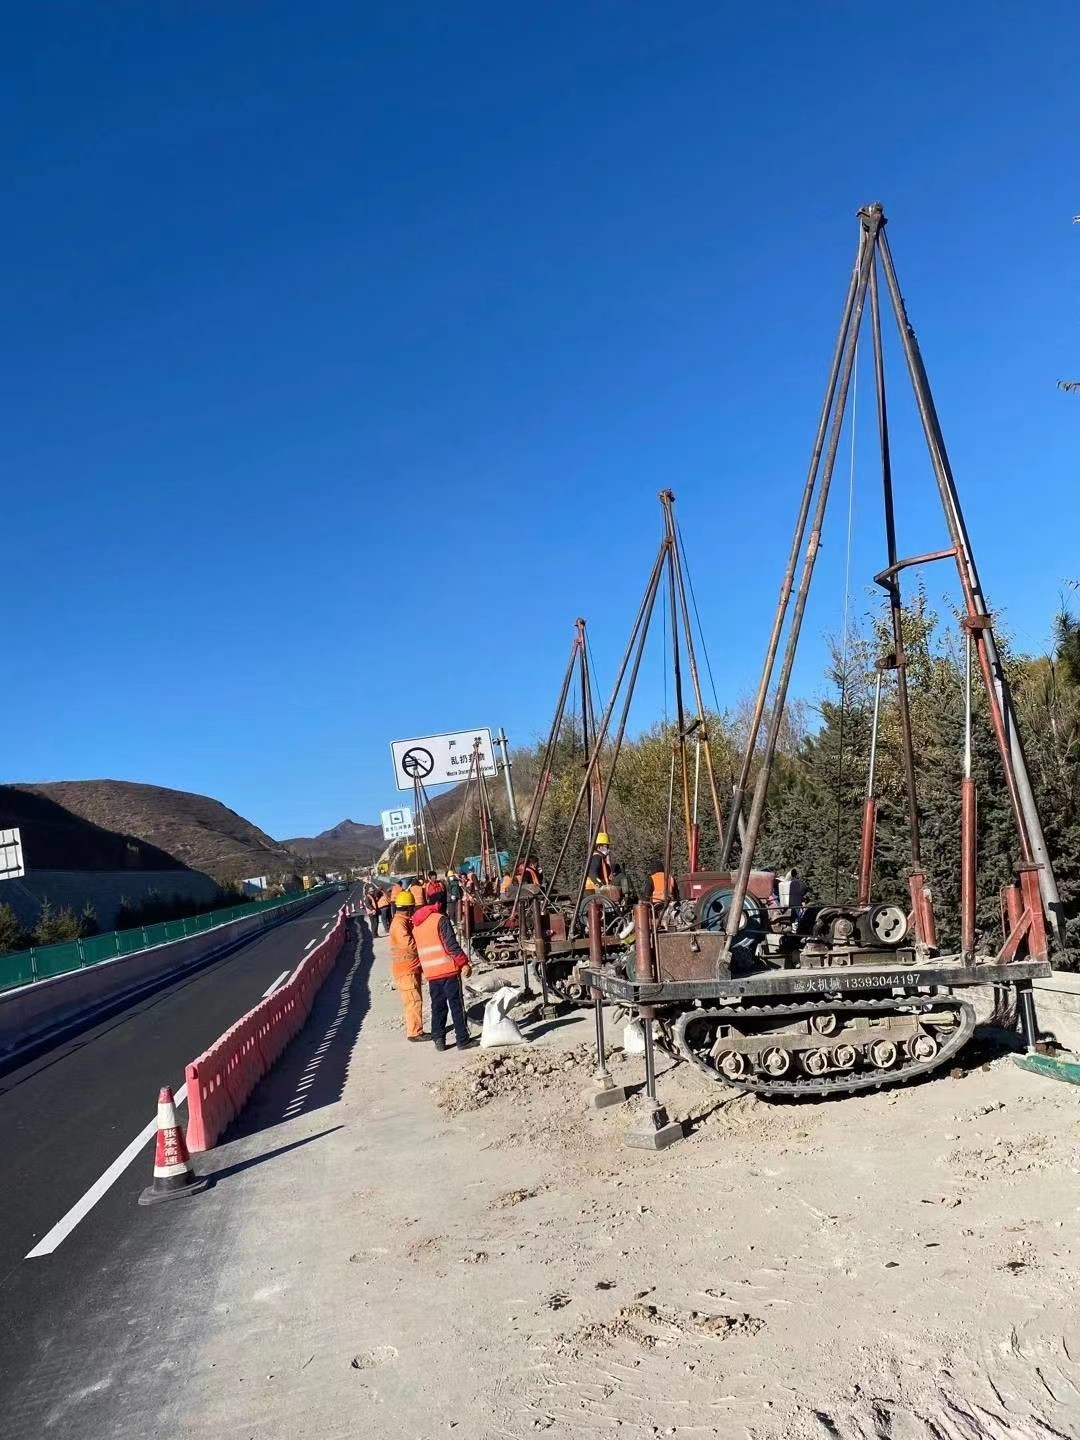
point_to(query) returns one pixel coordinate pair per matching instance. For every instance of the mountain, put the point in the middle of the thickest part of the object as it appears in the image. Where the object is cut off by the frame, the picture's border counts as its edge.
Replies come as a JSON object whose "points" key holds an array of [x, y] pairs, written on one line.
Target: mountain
{"points": [[54, 838], [195, 830], [345, 842]]}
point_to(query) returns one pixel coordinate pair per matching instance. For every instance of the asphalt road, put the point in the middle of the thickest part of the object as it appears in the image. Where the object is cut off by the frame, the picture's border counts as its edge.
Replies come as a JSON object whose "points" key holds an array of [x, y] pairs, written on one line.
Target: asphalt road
{"points": [[64, 1118]]}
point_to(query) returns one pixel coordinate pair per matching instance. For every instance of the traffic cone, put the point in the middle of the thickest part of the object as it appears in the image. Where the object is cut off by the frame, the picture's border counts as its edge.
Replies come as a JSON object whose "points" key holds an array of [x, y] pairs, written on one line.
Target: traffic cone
{"points": [[173, 1175]]}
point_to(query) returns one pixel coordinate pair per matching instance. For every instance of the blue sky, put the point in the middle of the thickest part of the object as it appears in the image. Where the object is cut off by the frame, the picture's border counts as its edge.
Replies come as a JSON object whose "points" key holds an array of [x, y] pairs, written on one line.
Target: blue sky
{"points": [[349, 344]]}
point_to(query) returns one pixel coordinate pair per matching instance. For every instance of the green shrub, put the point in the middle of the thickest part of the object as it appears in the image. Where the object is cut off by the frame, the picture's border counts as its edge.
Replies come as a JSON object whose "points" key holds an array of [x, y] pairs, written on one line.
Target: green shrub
{"points": [[55, 927], [12, 937]]}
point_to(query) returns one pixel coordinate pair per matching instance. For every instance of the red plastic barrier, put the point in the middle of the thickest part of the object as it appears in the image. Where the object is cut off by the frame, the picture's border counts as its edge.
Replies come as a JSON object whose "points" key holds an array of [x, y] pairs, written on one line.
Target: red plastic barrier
{"points": [[220, 1081]]}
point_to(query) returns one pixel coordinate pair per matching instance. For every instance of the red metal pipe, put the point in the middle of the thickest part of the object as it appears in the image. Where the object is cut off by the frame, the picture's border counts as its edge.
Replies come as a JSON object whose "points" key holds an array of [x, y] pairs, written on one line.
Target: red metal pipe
{"points": [[866, 848], [595, 918], [1014, 909], [968, 817], [644, 966], [1036, 935], [922, 907]]}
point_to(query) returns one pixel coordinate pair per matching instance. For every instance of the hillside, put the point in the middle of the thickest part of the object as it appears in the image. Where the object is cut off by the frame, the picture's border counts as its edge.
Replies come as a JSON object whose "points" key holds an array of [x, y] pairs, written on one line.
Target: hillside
{"points": [[54, 838], [193, 829], [345, 843]]}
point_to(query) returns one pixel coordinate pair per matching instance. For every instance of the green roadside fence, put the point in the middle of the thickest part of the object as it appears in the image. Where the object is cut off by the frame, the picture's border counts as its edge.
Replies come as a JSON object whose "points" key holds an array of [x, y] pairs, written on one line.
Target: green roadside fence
{"points": [[41, 962]]}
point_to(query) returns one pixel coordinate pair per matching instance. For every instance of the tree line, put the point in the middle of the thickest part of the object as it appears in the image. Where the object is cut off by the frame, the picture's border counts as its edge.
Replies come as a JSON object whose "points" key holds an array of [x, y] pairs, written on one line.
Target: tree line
{"points": [[814, 805]]}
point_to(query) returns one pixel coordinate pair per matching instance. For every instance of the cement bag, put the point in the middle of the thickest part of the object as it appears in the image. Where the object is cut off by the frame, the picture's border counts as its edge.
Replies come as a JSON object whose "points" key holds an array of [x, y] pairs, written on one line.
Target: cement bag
{"points": [[633, 1038], [498, 1027], [487, 982]]}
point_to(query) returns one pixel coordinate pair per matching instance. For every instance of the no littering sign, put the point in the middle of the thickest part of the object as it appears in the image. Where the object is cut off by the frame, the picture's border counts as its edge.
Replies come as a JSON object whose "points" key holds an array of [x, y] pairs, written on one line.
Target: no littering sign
{"points": [[441, 759]]}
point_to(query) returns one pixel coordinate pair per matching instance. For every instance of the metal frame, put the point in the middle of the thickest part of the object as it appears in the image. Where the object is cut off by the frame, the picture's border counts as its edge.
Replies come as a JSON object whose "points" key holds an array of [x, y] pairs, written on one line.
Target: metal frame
{"points": [[874, 253]]}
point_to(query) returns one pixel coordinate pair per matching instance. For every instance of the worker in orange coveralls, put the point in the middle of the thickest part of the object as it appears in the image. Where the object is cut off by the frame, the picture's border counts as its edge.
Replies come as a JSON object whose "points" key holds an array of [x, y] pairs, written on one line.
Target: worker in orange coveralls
{"points": [[405, 966]]}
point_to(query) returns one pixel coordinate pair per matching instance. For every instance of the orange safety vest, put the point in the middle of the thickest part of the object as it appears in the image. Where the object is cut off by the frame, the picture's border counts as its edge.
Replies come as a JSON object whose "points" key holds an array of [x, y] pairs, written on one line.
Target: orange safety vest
{"points": [[383, 900], [402, 943], [418, 895], [434, 960], [505, 884]]}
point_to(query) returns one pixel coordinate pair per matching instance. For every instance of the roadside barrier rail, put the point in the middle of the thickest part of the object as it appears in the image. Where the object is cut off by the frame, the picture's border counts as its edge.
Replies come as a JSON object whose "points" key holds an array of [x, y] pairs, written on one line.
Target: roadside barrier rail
{"points": [[42, 962], [220, 1081]]}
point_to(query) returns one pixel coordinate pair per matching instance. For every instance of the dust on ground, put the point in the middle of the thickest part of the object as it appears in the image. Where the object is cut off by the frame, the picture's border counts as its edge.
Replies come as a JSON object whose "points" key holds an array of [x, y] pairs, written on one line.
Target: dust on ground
{"points": [[901, 1265]]}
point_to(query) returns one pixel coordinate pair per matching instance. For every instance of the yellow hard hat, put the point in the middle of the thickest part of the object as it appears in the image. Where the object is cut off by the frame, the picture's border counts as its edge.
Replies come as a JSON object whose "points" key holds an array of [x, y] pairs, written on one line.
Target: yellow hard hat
{"points": [[602, 839], [405, 901]]}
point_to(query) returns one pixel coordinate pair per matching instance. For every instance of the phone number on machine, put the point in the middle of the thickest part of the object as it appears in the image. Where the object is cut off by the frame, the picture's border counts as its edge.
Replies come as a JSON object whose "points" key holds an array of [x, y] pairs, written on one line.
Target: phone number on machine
{"points": [[855, 982]]}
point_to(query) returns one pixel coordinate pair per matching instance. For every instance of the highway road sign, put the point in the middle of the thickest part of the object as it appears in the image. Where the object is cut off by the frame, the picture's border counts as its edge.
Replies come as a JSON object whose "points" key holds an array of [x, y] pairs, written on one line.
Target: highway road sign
{"points": [[441, 759], [11, 855], [397, 824]]}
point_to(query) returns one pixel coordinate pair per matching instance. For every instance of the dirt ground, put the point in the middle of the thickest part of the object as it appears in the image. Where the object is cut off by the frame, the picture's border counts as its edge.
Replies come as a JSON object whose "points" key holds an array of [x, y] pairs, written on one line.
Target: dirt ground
{"points": [[464, 1246]]}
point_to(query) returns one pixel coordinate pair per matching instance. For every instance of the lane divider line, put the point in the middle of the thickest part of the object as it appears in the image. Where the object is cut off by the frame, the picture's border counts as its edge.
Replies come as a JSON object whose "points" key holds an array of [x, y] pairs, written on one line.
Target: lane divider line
{"points": [[63, 1228], [283, 976], [311, 942]]}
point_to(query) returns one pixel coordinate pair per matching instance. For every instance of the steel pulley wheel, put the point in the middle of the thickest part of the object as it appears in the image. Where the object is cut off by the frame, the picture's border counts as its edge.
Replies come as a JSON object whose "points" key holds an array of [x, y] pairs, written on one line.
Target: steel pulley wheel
{"points": [[611, 914], [888, 923], [844, 1057], [775, 1061], [815, 1062], [922, 1047], [883, 1053], [713, 907], [732, 1064]]}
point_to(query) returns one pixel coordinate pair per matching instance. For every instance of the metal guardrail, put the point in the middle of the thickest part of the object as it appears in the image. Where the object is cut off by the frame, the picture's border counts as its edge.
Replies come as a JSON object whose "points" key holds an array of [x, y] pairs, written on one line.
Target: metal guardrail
{"points": [[42, 962]]}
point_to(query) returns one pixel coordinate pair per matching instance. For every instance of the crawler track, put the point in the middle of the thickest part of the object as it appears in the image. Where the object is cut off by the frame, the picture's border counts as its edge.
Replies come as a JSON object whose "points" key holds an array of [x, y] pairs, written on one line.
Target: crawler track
{"points": [[704, 1050]]}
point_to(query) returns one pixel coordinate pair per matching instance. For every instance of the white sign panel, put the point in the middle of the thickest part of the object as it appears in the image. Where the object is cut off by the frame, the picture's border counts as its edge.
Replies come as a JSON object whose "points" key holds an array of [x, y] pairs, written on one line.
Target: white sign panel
{"points": [[11, 856], [397, 824], [441, 759]]}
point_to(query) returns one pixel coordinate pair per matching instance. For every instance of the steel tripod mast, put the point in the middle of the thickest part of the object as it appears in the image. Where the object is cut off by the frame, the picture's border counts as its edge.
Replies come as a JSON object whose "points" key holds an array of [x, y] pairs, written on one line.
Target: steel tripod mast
{"points": [[669, 561], [874, 254], [578, 663]]}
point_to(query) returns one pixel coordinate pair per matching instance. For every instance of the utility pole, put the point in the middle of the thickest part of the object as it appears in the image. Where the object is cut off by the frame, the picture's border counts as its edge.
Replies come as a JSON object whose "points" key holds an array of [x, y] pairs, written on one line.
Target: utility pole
{"points": [[502, 743]]}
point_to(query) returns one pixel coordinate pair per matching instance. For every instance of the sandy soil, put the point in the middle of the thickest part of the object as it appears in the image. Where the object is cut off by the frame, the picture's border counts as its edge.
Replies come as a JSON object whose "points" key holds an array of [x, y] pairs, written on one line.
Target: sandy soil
{"points": [[474, 1251]]}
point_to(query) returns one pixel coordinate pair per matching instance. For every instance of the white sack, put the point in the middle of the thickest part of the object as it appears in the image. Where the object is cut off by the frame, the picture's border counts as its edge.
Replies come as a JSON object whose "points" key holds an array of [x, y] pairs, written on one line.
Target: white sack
{"points": [[499, 1029], [633, 1038]]}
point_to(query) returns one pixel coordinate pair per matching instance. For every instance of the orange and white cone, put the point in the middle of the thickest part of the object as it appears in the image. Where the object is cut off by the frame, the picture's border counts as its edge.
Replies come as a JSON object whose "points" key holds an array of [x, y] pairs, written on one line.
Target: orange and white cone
{"points": [[173, 1174]]}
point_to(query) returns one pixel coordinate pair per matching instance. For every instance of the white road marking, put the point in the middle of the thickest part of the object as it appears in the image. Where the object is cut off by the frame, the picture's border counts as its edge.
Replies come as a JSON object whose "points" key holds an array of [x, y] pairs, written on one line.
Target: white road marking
{"points": [[311, 942], [63, 1228], [327, 925]]}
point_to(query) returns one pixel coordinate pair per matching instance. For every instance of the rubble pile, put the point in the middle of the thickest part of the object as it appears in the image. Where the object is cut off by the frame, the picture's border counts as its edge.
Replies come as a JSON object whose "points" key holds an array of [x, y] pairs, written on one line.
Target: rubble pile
{"points": [[517, 1072]]}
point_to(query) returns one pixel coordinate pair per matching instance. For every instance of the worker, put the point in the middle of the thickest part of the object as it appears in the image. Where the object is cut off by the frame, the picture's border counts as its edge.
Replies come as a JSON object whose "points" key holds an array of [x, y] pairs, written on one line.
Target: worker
{"points": [[599, 872], [431, 884], [453, 897], [443, 963], [417, 888], [506, 884], [531, 873], [405, 966], [385, 911], [662, 887], [371, 910], [395, 891]]}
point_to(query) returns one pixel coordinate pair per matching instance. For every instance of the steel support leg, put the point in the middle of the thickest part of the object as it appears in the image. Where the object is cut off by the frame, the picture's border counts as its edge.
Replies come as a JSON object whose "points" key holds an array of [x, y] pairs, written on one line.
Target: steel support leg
{"points": [[1029, 1024], [654, 1131], [604, 1092]]}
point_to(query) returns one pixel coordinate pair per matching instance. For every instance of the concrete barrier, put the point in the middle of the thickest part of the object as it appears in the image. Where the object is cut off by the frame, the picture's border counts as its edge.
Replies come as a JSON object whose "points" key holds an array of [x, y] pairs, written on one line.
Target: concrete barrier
{"points": [[221, 1080], [36, 1013], [1057, 1005]]}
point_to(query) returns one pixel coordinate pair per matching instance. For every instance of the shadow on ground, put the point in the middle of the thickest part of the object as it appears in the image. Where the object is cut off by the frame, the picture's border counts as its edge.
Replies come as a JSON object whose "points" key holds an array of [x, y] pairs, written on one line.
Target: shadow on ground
{"points": [[313, 1070]]}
